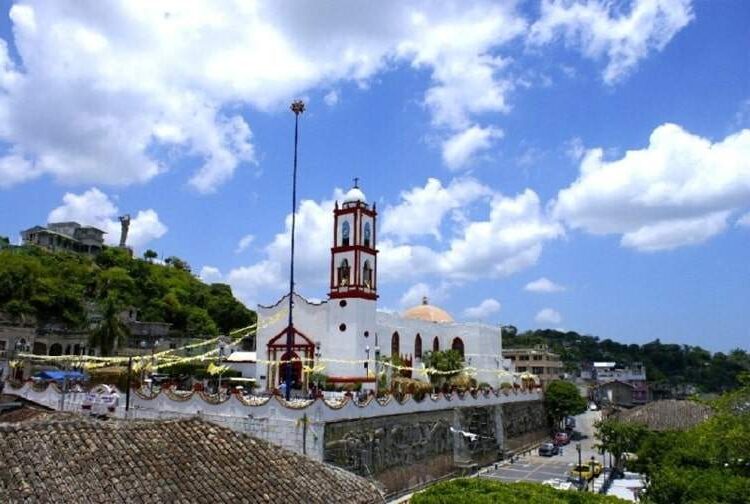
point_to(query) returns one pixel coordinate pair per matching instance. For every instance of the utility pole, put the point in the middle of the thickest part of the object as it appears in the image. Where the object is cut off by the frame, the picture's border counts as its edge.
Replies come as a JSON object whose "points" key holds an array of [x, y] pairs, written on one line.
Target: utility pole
{"points": [[298, 107], [127, 391]]}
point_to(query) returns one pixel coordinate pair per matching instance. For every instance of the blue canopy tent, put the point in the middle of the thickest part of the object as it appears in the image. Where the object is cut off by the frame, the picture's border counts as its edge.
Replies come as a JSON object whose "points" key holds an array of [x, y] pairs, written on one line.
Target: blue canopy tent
{"points": [[55, 375]]}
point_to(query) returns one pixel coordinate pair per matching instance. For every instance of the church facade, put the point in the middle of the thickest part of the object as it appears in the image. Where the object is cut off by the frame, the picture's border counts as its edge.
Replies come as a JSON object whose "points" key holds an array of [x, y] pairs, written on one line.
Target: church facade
{"points": [[344, 336]]}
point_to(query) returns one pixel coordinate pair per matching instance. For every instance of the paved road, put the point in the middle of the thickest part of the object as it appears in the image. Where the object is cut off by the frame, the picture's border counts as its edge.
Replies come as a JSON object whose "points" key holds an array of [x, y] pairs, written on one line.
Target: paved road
{"points": [[532, 467]]}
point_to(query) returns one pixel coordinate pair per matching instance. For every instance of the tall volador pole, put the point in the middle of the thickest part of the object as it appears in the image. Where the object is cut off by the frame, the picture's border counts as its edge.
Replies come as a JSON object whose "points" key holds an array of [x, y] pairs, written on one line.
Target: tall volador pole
{"points": [[298, 107]]}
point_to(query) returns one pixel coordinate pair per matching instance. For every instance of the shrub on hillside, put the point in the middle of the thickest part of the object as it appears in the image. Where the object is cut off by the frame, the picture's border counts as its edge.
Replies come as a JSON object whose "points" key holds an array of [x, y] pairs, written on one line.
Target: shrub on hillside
{"points": [[484, 491]]}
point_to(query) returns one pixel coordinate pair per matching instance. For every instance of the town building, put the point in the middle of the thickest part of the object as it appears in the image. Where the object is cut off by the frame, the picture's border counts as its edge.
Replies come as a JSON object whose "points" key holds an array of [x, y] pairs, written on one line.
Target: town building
{"points": [[539, 361], [65, 236], [614, 384], [348, 332], [69, 458]]}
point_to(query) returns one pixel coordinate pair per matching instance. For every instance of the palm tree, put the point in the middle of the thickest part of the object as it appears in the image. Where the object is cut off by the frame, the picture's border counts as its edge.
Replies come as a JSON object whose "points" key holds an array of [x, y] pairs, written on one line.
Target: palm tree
{"points": [[110, 330]]}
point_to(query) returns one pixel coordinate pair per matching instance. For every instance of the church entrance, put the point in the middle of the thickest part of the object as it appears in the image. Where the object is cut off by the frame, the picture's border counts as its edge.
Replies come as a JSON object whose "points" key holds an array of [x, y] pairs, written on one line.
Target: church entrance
{"points": [[291, 359]]}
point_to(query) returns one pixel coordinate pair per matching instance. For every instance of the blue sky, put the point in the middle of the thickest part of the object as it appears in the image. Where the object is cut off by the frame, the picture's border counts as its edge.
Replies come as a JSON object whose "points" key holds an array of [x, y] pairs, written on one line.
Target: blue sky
{"points": [[580, 165]]}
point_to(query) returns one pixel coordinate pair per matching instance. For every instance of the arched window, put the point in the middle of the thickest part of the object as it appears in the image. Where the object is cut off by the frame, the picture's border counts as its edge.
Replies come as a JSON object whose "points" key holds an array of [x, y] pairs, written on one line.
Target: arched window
{"points": [[458, 346], [344, 271], [367, 234], [394, 344], [56, 349], [345, 234], [418, 346], [367, 274], [436, 344]]}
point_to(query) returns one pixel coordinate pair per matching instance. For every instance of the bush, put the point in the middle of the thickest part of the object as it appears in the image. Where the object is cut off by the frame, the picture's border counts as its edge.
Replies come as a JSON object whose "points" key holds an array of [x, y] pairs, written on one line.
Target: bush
{"points": [[484, 491], [418, 389]]}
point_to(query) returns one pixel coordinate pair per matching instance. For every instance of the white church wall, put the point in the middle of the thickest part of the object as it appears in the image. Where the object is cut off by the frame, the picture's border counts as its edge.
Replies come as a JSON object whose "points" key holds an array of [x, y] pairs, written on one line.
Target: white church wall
{"points": [[347, 340], [482, 343], [272, 419]]}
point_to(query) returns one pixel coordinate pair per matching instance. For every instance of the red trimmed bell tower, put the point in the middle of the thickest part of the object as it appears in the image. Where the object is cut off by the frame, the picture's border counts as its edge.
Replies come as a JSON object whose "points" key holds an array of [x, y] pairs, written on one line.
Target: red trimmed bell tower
{"points": [[354, 258]]}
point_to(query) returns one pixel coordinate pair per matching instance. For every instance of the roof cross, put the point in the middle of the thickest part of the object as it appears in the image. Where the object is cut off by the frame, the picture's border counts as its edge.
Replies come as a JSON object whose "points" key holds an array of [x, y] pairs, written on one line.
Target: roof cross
{"points": [[356, 182]]}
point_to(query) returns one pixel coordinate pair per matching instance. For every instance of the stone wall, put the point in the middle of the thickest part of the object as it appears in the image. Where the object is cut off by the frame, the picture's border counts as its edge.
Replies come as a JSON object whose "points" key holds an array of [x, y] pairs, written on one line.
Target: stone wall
{"points": [[405, 451]]}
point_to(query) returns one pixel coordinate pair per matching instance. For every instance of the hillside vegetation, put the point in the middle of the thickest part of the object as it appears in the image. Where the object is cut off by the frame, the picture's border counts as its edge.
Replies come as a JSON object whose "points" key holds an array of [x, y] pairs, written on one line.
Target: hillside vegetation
{"points": [[46, 287], [667, 364]]}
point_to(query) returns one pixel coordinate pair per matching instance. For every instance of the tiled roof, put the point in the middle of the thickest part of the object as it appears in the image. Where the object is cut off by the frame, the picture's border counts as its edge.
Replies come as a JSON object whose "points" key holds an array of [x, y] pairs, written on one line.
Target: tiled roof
{"points": [[81, 460], [668, 414]]}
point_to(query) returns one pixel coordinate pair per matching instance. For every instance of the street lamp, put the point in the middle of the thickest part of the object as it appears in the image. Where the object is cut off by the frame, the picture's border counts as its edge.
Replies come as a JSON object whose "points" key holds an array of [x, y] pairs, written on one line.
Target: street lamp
{"points": [[367, 352], [318, 355], [591, 465], [580, 476], [221, 355], [298, 107]]}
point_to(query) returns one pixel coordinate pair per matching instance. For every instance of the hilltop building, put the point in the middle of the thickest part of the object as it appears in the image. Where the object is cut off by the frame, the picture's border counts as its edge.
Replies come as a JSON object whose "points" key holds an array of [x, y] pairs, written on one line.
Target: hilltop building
{"points": [[349, 333], [65, 236]]}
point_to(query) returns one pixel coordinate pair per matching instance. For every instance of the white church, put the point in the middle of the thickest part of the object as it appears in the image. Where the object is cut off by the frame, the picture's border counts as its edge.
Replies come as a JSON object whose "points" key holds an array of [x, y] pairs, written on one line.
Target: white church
{"points": [[344, 336]]}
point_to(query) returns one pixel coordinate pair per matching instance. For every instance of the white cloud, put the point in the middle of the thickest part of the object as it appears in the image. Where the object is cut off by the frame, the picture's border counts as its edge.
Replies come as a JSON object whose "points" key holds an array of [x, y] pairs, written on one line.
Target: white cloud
{"points": [[244, 243], [15, 169], [461, 148], [548, 316], [261, 282], [678, 191], [210, 274], [607, 29], [744, 220], [422, 209], [94, 208], [509, 240], [331, 98], [575, 149], [97, 92], [417, 292], [543, 285], [483, 309]]}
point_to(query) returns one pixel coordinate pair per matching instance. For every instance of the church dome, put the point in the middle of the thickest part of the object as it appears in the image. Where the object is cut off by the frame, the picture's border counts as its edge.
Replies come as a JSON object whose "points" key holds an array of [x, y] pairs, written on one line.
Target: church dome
{"points": [[355, 194], [428, 313]]}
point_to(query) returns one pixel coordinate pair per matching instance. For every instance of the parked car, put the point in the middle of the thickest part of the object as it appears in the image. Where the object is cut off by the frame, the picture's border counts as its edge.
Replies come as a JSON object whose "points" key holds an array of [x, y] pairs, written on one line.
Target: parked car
{"points": [[562, 438], [593, 406], [548, 450], [583, 471]]}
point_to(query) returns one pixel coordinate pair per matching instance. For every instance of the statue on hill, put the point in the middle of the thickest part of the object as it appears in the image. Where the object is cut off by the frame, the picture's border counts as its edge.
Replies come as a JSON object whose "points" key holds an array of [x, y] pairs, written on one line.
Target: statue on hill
{"points": [[124, 226]]}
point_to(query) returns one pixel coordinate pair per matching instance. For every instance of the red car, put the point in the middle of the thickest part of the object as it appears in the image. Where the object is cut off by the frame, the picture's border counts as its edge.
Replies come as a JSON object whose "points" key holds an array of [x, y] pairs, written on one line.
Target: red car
{"points": [[562, 438]]}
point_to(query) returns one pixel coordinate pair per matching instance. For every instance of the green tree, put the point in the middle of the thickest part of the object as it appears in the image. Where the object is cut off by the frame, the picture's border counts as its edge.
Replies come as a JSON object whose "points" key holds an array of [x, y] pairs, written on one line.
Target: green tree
{"points": [[111, 330], [149, 255], [448, 362], [177, 263], [562, 398], [619, 437]]}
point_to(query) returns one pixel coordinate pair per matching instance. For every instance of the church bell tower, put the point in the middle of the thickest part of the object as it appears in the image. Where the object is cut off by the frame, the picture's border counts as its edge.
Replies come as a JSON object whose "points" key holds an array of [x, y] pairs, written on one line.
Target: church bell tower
{"points": [[354, 258]]}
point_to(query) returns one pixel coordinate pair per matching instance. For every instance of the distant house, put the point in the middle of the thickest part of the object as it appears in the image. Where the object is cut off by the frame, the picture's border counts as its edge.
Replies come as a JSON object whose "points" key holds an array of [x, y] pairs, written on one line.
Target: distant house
{"points": [[75, 459], [615, 393], [67, 236], [538, 360], [604, 375]]}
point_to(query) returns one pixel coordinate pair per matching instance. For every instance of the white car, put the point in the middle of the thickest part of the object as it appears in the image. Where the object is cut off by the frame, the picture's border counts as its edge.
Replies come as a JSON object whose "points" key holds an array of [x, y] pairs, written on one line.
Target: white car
{"points": [[593, 406]]}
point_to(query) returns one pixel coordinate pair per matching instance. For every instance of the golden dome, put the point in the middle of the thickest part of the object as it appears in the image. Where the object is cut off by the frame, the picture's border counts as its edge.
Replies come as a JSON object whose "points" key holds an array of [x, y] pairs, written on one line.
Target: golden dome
{"points": [[428, 313]]}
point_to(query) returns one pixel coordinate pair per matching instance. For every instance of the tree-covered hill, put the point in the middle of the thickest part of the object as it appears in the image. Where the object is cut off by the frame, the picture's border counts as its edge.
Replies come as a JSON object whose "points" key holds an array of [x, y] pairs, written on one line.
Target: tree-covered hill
{"points": [[61, 287], [668, 364]]}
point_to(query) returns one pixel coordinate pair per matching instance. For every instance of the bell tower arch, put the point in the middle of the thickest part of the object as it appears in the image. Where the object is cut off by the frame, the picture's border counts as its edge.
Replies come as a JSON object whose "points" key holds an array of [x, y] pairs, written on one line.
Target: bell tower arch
{"points": [[354, 256]]}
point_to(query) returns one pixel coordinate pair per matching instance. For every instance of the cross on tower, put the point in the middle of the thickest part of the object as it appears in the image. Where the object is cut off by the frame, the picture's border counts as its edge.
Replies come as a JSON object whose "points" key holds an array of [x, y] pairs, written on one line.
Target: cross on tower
{"points": [[356, 182]]}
